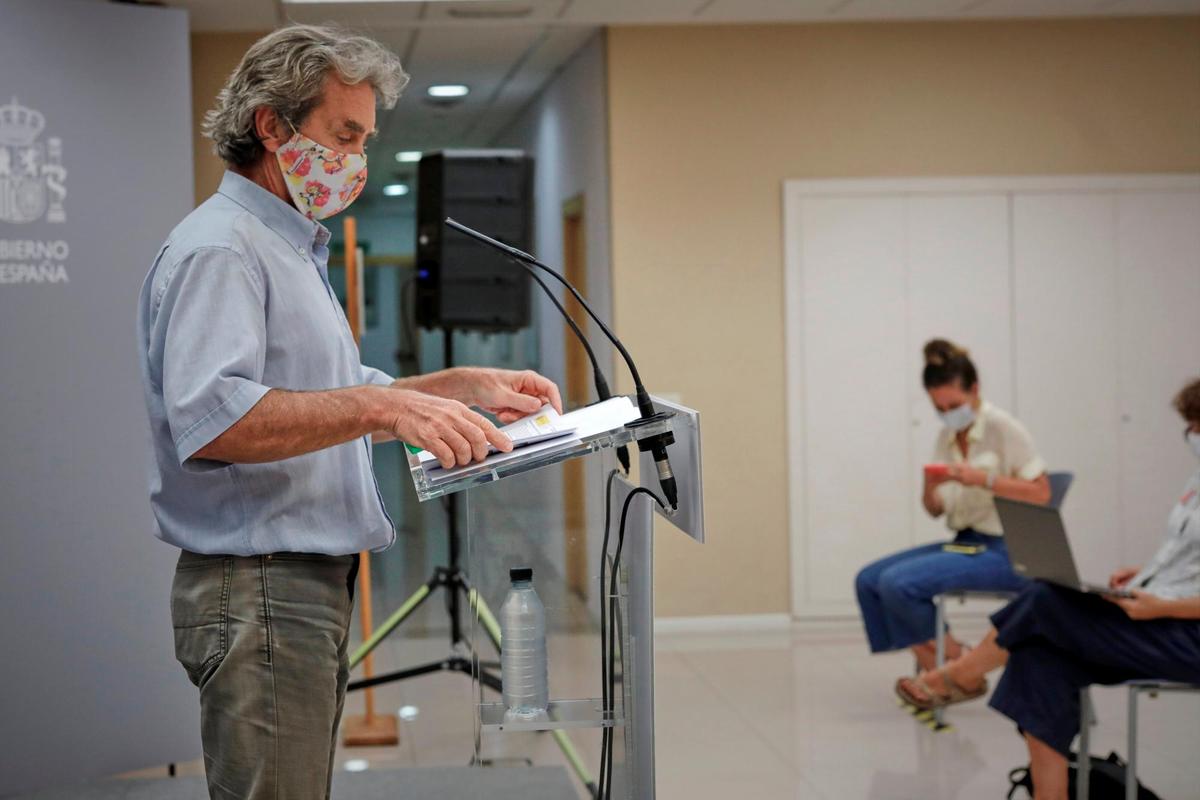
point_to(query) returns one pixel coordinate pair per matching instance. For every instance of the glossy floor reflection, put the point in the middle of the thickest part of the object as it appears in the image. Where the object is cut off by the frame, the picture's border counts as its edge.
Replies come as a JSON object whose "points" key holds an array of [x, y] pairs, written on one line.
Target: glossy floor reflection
{"points": [[808, 715], [758, 716], [791, 714]]}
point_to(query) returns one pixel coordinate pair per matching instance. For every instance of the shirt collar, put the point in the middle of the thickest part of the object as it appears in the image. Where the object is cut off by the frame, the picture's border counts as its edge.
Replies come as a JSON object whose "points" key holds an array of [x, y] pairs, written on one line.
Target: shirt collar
{"points": [[283, 218], [975, 432]]}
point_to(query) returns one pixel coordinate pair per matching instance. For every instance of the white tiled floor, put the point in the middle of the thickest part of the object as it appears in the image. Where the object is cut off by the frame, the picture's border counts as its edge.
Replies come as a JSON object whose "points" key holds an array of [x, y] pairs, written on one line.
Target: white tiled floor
{"points": [[811, 715], [792, 714]]}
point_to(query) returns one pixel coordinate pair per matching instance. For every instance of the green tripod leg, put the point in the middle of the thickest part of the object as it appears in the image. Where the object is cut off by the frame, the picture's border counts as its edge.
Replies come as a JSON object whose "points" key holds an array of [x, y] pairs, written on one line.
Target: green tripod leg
{"points": [[410, 605], [486, 618], [492, 627]]}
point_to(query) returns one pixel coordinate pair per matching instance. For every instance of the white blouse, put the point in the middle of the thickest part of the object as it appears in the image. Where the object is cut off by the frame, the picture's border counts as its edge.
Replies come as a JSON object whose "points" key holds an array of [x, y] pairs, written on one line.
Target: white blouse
{"points": [[998, 443], [1174, 572]]}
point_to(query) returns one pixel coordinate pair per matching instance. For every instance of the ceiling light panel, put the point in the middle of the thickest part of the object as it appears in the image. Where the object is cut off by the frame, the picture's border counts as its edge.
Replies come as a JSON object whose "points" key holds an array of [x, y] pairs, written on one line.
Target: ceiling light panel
{"points": [[448, 90]]}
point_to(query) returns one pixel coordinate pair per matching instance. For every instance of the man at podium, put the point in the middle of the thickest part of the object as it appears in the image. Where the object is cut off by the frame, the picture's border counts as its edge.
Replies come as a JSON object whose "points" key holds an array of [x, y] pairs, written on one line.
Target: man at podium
{"points": [[262, 414]]}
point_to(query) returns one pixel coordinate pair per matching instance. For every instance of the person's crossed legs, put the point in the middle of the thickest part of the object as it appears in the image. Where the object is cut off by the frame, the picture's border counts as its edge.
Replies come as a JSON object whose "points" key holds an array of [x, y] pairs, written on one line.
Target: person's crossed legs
{"points": [[896, 593], [1056, 641]]}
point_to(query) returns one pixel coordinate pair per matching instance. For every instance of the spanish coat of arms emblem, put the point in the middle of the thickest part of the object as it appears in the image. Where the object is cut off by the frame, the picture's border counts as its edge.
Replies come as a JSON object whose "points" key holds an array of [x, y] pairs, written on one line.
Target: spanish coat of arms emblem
{"points": [[32, 177]]}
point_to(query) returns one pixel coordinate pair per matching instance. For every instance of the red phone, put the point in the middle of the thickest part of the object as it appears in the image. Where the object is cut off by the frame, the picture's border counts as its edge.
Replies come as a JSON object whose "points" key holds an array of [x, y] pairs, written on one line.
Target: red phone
{"points": [[937, 470]]}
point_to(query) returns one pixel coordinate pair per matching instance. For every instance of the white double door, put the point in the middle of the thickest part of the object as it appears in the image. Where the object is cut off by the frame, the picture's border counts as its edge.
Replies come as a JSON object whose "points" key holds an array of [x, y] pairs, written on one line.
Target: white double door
{"points": [[1079, 299]]}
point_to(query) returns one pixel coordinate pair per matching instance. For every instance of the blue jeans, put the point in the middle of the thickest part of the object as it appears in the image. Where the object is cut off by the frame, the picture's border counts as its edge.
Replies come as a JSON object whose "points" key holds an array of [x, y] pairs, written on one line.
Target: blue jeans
{"points": [[896, 593]]}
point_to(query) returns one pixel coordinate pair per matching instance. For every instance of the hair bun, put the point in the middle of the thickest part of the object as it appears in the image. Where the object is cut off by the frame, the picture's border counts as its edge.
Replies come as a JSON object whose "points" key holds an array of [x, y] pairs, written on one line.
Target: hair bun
{"points": [[939, 352]]}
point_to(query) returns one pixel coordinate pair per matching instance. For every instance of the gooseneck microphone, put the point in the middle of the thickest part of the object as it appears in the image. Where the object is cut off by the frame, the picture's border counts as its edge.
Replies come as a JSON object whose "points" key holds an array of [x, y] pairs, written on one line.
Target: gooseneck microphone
{"points": [[597, 376], [657, 444], [601, 383]]}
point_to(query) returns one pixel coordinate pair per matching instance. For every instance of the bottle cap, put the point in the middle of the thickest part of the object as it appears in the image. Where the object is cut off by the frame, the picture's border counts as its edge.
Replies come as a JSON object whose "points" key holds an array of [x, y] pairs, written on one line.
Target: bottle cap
{"points": [[520, 574]]}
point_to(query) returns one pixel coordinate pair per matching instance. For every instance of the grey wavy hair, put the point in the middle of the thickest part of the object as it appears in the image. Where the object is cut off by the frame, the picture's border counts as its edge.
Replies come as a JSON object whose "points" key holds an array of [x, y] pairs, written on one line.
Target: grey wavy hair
{"points": [[285, 71]]}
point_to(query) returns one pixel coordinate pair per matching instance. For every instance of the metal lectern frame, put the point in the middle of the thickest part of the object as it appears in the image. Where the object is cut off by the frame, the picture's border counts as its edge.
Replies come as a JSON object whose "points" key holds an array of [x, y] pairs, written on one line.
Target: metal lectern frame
{"points": [[635, 715]]}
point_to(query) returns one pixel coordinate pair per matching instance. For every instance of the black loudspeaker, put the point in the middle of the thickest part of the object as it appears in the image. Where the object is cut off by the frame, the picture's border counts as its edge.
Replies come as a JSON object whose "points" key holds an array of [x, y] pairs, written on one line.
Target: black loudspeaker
{"points": [[462, 284]]}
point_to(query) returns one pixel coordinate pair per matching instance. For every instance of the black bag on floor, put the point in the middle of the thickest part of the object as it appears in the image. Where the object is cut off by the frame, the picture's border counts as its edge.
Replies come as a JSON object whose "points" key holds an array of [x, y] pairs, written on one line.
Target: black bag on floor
{"points": [[1107, 781]]}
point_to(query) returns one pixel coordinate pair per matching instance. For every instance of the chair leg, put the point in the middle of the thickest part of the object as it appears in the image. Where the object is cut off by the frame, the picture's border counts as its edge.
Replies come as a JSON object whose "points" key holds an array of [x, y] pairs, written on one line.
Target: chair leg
{"points": [[1131, 783], [1083, 770], [939, 638], [1132, 764]]}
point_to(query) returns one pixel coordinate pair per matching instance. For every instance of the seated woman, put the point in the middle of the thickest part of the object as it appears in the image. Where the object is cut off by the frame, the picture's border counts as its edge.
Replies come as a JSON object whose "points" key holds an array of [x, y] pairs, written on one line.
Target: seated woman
{"points": [[1056, 641], [985, 452]]}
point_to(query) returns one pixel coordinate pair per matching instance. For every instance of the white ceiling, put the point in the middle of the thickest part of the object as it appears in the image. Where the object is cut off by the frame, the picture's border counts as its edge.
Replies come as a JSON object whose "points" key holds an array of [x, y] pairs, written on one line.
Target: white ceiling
{"points": [[506, 50], [212, 15]]}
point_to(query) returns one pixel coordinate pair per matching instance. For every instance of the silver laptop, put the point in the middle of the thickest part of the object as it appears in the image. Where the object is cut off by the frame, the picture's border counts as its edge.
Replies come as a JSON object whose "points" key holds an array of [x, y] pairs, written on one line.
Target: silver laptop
{"points": [[1038, 547]]}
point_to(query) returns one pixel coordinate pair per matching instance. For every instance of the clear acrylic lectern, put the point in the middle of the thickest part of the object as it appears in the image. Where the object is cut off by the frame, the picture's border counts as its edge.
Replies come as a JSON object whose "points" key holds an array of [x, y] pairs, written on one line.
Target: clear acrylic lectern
{"points": [[547, 511]]}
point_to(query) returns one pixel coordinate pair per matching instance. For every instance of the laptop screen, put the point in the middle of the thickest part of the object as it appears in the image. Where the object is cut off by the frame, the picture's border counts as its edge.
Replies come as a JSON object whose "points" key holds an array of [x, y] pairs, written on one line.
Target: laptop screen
{"points": [[1037, 542]]}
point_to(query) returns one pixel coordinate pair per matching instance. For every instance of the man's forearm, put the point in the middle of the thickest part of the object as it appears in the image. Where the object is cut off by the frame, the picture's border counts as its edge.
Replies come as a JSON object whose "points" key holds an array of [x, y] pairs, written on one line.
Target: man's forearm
{"points": [[285, 424], [448, 383]]}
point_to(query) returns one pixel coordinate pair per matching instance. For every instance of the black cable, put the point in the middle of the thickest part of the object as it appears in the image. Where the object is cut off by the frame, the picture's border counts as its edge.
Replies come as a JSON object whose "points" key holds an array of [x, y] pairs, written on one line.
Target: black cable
{"points": [[606, 755], [603, 626], [615, 610], [608, 643]]}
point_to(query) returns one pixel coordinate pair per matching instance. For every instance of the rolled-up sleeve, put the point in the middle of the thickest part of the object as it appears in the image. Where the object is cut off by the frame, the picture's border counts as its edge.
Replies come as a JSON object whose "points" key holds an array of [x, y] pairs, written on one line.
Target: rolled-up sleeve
{"points": [[210, 328], [1022, 454], [377, 377]]}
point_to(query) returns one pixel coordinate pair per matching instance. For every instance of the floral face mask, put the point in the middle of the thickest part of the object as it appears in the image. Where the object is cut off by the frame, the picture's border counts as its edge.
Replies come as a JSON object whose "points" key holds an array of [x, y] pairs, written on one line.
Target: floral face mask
{"points": [[321, 181]]}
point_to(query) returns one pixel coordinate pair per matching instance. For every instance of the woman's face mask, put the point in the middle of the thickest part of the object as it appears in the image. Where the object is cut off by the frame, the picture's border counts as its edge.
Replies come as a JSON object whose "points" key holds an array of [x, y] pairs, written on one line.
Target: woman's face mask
{"points": [[956, 419], [320, 180]]}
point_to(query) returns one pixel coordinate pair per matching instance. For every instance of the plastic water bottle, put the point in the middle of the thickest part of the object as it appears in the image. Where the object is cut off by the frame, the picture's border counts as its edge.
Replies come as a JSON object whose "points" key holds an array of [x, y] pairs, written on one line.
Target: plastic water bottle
{"points": [[523, 673]]}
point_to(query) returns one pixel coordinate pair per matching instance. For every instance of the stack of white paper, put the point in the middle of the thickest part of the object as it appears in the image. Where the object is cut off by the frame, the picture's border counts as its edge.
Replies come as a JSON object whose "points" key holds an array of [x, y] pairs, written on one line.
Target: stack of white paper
{"points": [[549, 430]]}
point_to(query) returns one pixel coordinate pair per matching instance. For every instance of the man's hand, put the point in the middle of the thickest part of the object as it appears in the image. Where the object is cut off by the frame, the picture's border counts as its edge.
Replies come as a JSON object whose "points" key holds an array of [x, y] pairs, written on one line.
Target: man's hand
{"points": [[1122, 576], [455, 434], [1142, 605], [509, 394]]}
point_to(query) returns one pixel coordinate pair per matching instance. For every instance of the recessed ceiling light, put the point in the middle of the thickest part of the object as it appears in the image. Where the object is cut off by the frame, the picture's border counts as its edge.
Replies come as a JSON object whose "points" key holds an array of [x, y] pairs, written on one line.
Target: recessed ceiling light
{"points": [[408, 156], [395, 189], [447, 90]]}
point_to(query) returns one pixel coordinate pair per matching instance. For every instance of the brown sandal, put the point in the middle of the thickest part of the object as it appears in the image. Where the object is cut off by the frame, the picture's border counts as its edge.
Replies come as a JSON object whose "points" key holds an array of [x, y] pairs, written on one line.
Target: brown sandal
{"points": [[932, 699]]}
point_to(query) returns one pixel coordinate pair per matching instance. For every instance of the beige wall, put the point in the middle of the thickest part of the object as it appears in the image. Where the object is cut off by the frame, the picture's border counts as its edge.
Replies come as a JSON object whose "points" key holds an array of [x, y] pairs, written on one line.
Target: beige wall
{"points": [[214, 56], [706, 123]]}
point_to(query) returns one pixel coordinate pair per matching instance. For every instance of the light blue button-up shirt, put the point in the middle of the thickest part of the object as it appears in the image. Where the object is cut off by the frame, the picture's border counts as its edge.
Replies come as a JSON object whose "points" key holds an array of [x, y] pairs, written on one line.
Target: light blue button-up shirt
{"points": [[237, 303]]}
